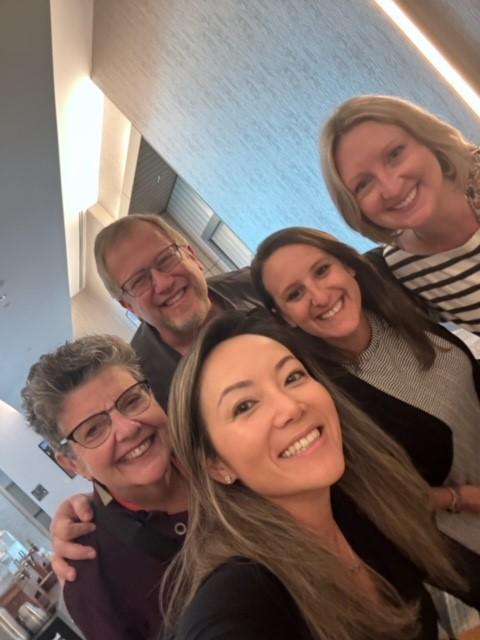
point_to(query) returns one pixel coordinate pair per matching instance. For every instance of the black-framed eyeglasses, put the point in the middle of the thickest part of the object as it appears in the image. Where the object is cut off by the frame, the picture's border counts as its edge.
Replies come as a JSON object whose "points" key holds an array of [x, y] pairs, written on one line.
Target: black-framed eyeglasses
{"points": [[93, 431], [142, 281]]}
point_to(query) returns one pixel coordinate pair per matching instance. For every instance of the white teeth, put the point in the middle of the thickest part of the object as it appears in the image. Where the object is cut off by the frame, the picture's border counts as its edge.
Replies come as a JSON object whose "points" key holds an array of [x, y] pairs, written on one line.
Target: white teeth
{"points": [[406, 201], [135, 453], [334, 310], [302, 444], [170, 301]]}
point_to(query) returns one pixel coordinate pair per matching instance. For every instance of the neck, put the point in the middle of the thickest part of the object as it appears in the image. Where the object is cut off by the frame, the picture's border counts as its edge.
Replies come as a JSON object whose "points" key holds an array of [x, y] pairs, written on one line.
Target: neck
{"points": [[451, 226], [313, 511], [170, 494], [357, 342]]}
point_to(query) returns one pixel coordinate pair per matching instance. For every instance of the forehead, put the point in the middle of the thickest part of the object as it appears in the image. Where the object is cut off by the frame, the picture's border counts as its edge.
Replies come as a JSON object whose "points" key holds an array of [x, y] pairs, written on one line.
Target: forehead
{"points": [[364, 142], [134, 250], [244, 357], [291, 263], [94, 395]]}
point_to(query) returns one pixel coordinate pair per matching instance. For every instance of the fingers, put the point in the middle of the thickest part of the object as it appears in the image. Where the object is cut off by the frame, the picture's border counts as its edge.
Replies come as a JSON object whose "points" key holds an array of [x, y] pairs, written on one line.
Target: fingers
{"points": [[63, 571], [82, 508], [72, 551]]}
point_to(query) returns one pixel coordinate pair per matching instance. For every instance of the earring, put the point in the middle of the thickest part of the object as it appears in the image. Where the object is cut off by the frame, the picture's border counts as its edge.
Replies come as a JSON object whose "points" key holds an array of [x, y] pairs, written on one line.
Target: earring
{"points": [[228, 479]]}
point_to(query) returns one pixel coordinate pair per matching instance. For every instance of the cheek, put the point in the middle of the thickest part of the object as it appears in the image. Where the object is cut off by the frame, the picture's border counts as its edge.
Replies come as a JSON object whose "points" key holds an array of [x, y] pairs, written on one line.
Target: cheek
{"points": [[240, 448]]}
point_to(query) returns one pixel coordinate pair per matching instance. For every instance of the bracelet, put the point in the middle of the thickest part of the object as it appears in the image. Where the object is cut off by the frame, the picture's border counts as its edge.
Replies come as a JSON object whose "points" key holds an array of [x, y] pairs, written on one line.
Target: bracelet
{"points": [[455, 505]]}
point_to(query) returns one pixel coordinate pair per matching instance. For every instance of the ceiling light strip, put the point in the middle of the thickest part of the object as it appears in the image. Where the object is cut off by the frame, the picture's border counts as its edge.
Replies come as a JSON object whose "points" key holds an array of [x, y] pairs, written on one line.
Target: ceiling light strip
{"points": [[431, 53]]}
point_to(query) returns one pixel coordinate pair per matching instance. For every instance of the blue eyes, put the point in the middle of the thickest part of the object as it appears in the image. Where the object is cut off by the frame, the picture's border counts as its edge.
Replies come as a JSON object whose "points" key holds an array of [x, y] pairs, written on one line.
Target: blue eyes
{"points": [[391, 156]]}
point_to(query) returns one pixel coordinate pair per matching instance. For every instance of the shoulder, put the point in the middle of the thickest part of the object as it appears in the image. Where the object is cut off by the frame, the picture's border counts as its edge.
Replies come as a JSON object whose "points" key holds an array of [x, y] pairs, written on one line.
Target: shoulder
{"points": [[236, 287], [241, 599]]}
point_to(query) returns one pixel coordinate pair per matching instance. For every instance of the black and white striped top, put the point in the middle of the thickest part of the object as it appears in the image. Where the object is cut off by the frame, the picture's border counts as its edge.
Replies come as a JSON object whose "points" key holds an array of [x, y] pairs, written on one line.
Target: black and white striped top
{"points": [[448, 281]]}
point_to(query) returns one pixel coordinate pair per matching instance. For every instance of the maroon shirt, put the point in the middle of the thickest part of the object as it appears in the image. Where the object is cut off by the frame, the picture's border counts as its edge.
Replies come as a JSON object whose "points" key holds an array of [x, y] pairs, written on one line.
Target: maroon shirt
{"points": [[116, 596]]}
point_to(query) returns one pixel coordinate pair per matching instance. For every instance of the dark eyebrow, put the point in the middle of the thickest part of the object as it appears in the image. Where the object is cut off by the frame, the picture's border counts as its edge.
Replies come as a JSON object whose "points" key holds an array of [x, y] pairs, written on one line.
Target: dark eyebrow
{"points": [[242, 384]]}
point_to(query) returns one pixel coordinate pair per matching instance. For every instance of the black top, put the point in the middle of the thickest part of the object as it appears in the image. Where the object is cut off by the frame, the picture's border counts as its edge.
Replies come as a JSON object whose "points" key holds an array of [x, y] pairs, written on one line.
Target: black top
{"points": [[158, 360], [242, 600]]}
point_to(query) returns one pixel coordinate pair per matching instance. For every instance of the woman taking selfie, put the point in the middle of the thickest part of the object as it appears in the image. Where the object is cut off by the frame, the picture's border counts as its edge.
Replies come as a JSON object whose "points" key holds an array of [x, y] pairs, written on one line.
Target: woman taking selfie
{"points": [[411, 376], [306, 521], [401, 176]]}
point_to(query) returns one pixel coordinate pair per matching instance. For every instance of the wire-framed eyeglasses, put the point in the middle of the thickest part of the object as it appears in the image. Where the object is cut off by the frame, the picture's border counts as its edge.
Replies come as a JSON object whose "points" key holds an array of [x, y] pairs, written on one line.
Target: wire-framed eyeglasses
{"points": [[141, 281], [93, 431]]}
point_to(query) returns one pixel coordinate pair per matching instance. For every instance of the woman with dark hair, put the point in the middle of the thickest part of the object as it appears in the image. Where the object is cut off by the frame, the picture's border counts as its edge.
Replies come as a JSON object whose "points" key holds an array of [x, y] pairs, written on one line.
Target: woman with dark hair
{"points": [[411, 376], [306, 520], [401, 176]]}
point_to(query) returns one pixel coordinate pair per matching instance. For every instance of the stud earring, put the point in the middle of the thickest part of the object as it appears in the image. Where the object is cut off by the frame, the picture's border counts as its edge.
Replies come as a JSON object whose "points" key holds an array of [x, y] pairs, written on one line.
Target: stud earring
{"points": [[228, 479]]}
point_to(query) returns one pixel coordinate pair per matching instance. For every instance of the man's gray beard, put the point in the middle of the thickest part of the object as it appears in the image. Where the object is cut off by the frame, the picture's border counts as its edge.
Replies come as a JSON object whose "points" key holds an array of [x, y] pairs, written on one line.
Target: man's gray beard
{"points": [[191, 325]]}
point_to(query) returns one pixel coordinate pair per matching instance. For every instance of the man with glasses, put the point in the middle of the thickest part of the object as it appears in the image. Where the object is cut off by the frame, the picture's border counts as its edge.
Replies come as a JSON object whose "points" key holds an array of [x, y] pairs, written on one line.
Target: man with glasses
{"points": [[151, 270], [90, 400]]}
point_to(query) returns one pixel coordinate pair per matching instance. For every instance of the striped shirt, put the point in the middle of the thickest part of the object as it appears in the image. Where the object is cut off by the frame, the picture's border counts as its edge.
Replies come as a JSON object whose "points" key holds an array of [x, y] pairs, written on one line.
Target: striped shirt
{"points": [[446, 391], [448, 281]]}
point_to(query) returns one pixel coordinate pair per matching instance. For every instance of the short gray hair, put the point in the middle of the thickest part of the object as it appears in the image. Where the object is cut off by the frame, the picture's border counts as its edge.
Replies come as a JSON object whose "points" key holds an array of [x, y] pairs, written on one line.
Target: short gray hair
{"points": [[57, 374], [120, 229], [452, 150]]}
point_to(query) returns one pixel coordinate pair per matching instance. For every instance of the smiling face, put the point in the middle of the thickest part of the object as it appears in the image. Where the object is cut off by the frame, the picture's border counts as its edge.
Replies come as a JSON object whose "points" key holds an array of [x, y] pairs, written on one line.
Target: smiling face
{"points": [[273, 426], [315, 292], [177, 301], [396, 181], [136, 453]]}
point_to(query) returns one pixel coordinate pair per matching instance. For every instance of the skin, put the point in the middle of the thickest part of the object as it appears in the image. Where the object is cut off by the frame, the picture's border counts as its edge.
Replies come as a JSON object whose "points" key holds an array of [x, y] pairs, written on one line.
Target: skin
{"points": [[398, 184], [308, 285], [257, 410], [177, 305], [134, 462]]}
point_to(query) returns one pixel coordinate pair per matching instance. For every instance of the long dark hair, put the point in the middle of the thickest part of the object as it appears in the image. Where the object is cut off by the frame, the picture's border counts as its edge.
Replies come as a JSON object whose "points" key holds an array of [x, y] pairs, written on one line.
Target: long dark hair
{"points": [[232, 520], [383, 298]]}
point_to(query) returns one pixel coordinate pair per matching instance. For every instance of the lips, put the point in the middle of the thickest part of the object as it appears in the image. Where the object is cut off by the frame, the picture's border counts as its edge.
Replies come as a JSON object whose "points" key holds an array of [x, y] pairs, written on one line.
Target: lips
{"points": [[175, 298], [407, 201], [326, 315], [303, 443], [138, 451]]}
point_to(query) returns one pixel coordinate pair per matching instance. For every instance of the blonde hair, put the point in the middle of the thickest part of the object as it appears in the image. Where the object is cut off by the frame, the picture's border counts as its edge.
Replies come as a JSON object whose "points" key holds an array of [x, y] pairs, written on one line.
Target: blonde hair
{"points": [[120, 229], [231, 520], [452, 150]]}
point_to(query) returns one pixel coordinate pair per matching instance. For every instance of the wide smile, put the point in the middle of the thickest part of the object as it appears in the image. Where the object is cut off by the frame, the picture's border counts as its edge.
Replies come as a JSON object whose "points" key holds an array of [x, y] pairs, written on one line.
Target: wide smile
{"points": [[139, 451], [175, 298], [330, 313], [305, 444], [407, 201]]}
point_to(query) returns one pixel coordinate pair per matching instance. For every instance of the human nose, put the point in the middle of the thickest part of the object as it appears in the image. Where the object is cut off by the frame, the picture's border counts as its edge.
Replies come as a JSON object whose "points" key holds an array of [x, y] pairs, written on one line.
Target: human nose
{"points": [[122, 426], [161, 280], [318, 295], [389, 185], [287, 409]]}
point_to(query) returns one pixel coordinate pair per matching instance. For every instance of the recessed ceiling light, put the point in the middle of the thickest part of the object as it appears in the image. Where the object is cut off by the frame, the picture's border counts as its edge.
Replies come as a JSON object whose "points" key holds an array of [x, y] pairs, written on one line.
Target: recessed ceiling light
{"points": [[433, 55]]}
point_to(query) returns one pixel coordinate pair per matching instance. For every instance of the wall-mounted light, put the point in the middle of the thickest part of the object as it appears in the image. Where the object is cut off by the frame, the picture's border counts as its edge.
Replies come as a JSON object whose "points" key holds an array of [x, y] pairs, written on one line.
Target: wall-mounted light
{"points": [[431, 53]]}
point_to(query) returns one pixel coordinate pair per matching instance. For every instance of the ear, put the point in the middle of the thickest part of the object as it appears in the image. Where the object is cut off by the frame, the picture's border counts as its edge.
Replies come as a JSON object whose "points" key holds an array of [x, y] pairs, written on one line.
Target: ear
{"points": [[126, 305], [72, 464], [351, 271], [221, 472]]}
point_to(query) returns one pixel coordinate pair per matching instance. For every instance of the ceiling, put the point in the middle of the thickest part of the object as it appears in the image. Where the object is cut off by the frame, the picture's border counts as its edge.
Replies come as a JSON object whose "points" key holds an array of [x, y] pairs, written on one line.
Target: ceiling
{"points": [[233, 94]]}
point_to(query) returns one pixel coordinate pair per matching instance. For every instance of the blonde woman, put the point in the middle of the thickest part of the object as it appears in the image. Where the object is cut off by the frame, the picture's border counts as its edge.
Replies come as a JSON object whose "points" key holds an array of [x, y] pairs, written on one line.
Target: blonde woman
{"points": [[401, 176], [306, 521]]}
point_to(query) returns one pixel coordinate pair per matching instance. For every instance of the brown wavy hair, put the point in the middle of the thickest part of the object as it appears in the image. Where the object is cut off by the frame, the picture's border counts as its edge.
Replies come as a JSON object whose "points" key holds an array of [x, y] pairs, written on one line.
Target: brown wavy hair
{"points": [[231, 520]]}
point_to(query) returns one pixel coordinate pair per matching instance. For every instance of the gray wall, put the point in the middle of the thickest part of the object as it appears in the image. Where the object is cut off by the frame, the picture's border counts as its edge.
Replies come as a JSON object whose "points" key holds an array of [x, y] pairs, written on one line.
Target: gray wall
{"points": [[232, 94], [33, 270]]}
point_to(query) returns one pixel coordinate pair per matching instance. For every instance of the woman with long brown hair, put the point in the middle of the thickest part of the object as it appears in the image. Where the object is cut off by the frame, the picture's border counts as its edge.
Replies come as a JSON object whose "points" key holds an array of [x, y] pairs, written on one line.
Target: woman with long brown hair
{"points": [[306, 520], [413, 377]]}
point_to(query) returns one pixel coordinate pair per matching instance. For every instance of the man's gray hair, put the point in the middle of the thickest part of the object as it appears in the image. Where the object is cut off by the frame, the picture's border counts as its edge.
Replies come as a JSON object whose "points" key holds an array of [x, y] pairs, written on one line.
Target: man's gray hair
{"points": [[58, 373], [120, 229]]}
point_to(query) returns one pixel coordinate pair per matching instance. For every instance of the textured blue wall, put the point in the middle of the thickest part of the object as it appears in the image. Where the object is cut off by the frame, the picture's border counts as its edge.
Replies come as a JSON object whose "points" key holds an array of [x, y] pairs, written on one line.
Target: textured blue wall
{"points": [[232, 94]]}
